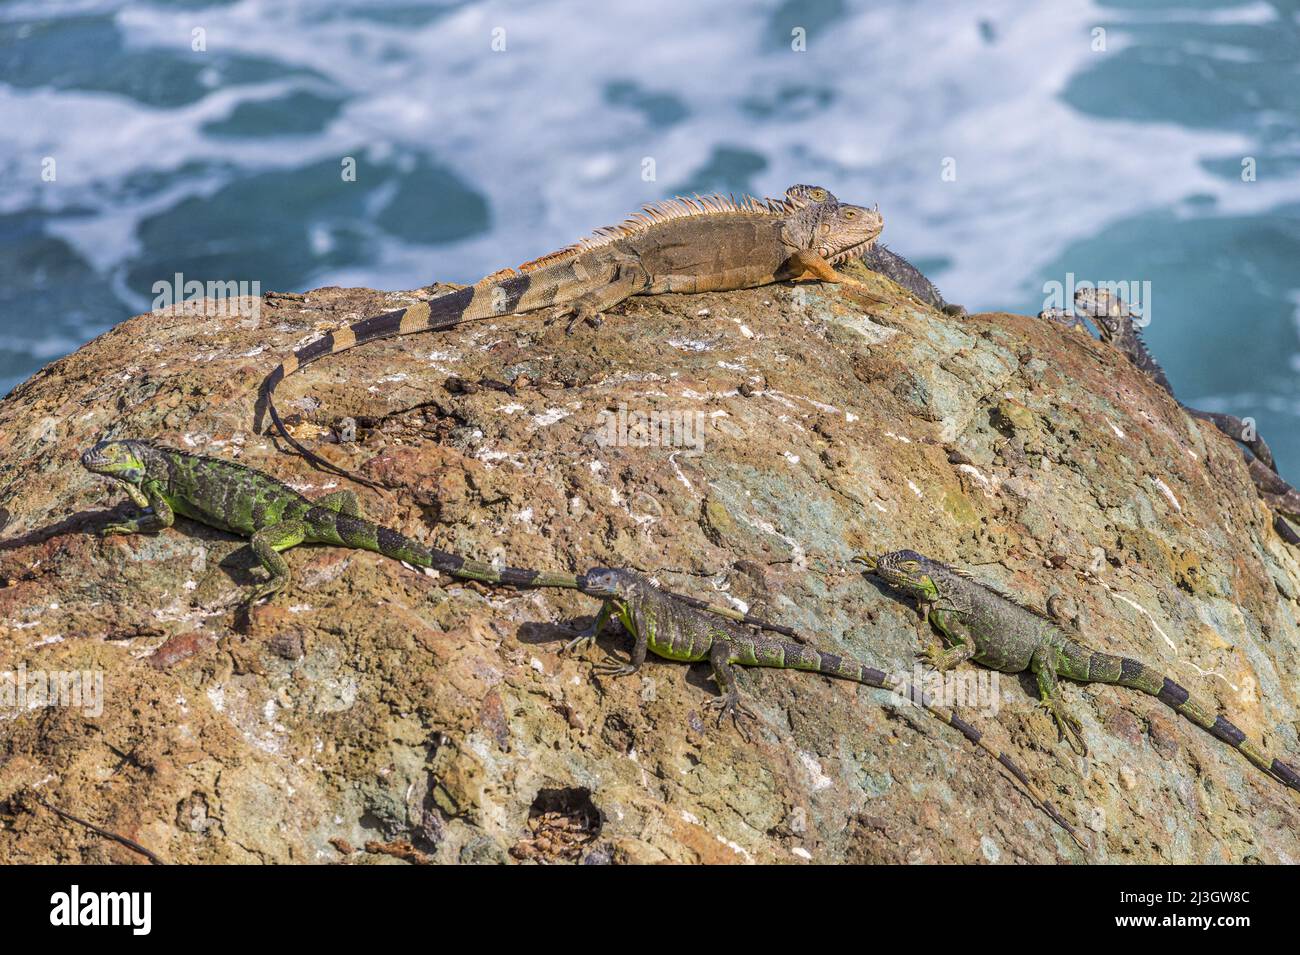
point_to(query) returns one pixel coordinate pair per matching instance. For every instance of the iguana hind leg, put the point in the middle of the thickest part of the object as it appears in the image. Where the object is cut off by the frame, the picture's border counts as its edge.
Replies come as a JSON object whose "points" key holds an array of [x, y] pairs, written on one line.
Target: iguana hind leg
{"points": [[267, 544], [1043, 665], [721, 655], [627, 281]]}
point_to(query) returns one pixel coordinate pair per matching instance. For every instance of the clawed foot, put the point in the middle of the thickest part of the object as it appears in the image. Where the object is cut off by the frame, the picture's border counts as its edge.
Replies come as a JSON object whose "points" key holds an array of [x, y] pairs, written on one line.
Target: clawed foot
{"points": [[612, 667], [935, 656], [584, 640], [1069, 728], [578, 316], [731, 705], [258, 594]]}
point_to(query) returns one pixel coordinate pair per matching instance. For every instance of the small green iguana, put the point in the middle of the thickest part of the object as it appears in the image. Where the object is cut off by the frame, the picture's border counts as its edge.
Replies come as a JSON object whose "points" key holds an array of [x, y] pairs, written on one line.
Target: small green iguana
{"points": [[236, 498], [700, 244], [659, 622], [987, 626]]}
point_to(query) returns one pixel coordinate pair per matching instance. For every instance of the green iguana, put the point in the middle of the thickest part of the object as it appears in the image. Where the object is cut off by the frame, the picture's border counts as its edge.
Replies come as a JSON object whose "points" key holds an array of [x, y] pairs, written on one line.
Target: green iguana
{"points": [[236, 498], [659, 622], [700, 244], [987, 626]]}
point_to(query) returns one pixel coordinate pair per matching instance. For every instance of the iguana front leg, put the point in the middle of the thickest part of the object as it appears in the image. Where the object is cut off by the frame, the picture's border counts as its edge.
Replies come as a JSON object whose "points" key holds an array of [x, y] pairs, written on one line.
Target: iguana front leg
{"points": [[588, 637], [642, 636], [158, 513], [267, 544], [807, 265], [728, 703], [955, 633], [1043, 665], [923, 610]]}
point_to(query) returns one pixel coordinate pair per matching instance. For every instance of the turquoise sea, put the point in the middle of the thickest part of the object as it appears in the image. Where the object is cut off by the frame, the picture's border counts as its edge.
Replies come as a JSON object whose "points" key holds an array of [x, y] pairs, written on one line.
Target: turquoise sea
{"points": [[1008, 143]]}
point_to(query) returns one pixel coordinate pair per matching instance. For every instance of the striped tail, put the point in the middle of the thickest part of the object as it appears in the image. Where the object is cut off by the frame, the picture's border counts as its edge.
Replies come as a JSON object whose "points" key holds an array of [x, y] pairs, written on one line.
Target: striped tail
{"points": [[778, 653], [1104, 668], [487, 299], [367, 535]]}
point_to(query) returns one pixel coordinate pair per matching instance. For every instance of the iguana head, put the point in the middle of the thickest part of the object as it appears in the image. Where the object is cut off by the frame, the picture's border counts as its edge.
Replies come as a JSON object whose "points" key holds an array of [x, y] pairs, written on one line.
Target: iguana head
{"points": [[613, 582], [904, 570], [124, 460], [834, 230]]}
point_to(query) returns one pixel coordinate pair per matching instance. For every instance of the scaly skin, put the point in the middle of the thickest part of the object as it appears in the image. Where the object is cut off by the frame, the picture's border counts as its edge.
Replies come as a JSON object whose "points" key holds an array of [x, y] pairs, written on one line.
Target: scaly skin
{"points": [[1116, 326], [704, 244], [897, 269], [232, 497], [662, 624], [985, 626]]}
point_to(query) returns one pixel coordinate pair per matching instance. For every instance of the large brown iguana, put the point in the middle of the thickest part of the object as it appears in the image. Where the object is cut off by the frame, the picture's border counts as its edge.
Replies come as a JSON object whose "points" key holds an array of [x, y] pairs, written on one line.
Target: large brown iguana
{"points": [[700, 244]]}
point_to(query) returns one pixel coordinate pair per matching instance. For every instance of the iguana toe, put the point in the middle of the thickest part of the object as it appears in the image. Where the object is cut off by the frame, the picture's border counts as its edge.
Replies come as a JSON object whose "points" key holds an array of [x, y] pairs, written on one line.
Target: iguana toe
{"points": [[1068, 727], [612, 667], [730, 705], [580, 643]]}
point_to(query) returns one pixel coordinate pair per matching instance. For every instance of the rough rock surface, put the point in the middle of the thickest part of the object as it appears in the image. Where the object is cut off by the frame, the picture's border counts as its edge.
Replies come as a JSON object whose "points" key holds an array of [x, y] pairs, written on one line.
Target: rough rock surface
{"points": [[372, 713]]}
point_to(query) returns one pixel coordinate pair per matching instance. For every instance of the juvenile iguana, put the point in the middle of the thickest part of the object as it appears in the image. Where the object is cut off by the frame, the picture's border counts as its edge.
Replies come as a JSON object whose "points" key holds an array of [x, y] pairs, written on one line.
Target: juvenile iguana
{"points": [[987, 626], [658, 622], [700, 244], [239, 499], [1118, 325]]}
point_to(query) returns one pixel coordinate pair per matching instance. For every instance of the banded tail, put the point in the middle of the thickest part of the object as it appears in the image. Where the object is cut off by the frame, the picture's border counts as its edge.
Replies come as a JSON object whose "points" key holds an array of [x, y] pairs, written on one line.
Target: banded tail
{"points": [[1105, 668], [537, 287], [778, 653], [367, 535]]}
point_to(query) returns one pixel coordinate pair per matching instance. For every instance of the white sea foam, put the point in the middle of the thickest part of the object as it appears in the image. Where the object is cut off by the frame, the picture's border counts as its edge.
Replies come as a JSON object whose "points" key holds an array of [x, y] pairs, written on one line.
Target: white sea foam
{"points": [[529, 126]]}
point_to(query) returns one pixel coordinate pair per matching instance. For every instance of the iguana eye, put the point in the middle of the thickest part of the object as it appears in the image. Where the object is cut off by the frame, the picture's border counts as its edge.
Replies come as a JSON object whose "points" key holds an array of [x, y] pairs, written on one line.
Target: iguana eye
{"points": [[850, 213], [818, 194], [910, 565]]}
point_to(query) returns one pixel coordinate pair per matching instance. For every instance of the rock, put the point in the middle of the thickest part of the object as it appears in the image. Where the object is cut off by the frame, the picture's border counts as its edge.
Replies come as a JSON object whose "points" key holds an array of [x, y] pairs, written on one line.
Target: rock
{"points": [[430, 720]]}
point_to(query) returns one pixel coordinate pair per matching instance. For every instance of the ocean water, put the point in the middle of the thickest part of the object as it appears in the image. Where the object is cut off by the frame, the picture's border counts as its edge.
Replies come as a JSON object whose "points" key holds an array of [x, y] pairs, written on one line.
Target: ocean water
{"points": [[1008, 143]]}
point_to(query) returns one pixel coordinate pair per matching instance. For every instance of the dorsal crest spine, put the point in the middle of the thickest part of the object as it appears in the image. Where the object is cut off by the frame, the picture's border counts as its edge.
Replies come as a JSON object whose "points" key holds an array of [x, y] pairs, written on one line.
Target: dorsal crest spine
{"points": [[655, 213]]}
